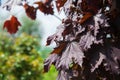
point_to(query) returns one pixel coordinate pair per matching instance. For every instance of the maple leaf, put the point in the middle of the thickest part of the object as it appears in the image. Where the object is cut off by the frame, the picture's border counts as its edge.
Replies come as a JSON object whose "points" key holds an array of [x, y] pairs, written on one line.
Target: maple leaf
{"points": [[43, 7], [60, 3], [48, 2], [49, 40], [30, 11], [91, 42], [52, 59], [72, 54], [85, 17], [91, 5], [63, 75], [64, 60], [12, 25], [112, 59], [60, 48], [69, 74], [68, 27], [57, 36]]}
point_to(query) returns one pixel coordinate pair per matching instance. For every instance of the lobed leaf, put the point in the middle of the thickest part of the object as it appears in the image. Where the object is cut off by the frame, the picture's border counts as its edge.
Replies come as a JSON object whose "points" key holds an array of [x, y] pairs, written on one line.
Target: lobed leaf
{"points": [[60, 3], [12, 25], [72, 54], [30, 11], [52, 59], [60, 48], [45, 8]]}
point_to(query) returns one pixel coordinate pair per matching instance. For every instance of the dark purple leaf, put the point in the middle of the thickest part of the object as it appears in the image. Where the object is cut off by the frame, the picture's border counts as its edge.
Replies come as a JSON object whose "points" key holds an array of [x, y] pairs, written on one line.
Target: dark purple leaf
{"points": [[53, 58], [72, 54]]}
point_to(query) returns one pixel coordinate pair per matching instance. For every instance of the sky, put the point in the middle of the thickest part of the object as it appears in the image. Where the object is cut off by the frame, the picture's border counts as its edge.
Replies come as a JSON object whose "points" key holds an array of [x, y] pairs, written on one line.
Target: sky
{"points": [[48, 22]]}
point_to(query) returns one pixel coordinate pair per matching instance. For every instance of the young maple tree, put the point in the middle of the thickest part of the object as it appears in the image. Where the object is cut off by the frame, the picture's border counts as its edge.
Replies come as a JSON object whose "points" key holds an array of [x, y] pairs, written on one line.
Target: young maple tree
{"points": [[87, 41]]}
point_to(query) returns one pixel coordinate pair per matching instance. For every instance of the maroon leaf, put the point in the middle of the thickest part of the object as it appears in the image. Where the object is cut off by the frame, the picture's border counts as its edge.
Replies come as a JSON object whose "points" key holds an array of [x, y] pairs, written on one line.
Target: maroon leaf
{"points": [[62, 75], [112, 59], [72, 54], [49, 39], [55, 37], [48, 2], [60, 48], [86, 16], [53, 58], [91, 5], [30, 11], [43, 7], [60, 3], [68, 27], [88, 36], [12, 25]]}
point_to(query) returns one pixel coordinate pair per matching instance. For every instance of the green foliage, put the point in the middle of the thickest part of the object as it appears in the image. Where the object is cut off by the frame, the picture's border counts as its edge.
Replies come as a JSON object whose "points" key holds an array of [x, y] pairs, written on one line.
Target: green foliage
{"points": [[19, 58], [26, 44], [52, 74]]}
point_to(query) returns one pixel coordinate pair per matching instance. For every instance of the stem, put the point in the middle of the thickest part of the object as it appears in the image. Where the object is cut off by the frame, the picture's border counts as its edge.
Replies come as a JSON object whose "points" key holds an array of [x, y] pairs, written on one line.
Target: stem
{"points": [[57, 17]]}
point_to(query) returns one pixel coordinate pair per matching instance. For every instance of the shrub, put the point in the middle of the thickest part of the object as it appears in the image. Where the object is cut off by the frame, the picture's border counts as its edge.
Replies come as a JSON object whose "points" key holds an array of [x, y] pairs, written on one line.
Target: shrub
{"points": [[19, 58]]}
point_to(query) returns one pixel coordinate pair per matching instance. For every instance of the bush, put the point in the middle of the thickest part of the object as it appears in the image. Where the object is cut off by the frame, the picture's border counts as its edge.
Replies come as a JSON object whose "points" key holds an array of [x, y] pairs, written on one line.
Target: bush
{"points": [[19, 58]]}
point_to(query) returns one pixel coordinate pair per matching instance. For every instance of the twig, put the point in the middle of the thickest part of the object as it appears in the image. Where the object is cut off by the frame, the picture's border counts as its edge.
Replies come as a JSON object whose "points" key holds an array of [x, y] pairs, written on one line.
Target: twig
{"points": [[57, 17]]}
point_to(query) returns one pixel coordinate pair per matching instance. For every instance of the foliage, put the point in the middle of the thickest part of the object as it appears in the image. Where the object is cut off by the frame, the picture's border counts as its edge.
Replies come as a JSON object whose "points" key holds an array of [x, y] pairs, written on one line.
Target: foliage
{"points": [[52, 74], [19, 58], [87, 40], [7, 47]]}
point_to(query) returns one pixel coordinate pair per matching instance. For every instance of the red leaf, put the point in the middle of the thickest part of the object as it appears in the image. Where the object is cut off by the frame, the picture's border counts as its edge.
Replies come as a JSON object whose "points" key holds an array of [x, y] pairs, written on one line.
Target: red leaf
{"points": [[30, 11], [86, 16], [47, 2], [60, 3], [60, 48], [43, 7], [12, 25]]}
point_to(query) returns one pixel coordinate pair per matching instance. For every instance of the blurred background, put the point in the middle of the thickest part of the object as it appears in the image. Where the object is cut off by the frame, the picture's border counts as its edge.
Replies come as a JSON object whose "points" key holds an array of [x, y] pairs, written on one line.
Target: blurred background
{"points": [[22, 54]]}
